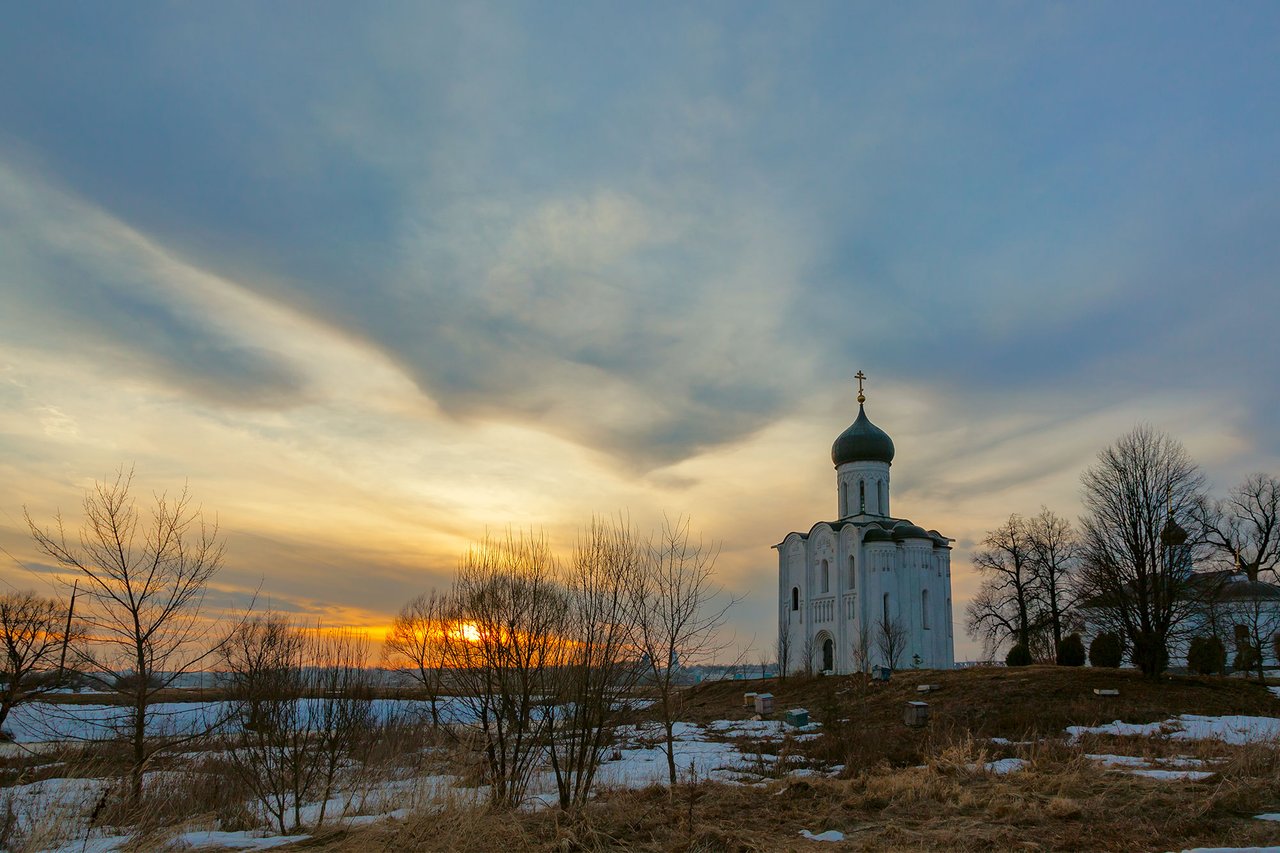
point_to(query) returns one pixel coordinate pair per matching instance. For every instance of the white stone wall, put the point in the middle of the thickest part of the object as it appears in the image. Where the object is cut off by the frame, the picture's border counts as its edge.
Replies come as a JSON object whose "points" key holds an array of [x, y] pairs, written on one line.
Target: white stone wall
{"points": [[852, 478], [831, 602], [914, 574]]}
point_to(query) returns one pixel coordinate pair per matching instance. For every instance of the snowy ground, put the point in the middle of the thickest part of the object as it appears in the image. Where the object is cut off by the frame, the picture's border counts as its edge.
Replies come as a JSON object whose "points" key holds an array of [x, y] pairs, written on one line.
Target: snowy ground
{"points": [[1230, 729], [726, 751], [732, 752]]}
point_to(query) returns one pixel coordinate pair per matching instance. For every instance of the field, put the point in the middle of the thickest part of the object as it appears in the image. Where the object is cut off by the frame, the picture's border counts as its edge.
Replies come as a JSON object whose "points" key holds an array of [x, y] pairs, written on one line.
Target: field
{"points": [[995, 769], [1025, 759]]}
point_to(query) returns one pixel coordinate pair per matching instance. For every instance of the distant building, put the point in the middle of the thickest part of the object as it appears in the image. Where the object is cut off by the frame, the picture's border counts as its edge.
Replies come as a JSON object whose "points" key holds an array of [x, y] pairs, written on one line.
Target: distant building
{"points": [[853, 589], [1237, 609]]}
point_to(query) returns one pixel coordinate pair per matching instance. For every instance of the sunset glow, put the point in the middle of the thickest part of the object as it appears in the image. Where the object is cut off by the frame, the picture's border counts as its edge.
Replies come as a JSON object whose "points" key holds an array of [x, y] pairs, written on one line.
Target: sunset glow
{"points": [[377, 285]]}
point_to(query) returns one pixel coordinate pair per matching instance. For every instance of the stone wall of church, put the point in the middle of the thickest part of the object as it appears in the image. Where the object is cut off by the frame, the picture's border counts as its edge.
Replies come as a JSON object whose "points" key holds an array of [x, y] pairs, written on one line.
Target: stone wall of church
{"points": [[862, 487], [833, 588]]}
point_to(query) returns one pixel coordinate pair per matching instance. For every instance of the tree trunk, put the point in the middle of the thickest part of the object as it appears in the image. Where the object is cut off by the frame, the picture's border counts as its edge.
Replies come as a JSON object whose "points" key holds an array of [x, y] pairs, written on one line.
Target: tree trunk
{"points": [[139, 745], [671, 748]]}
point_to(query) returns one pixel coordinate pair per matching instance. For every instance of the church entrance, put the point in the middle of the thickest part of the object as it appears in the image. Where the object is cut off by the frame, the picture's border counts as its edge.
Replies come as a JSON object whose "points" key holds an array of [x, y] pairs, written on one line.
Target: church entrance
{"points": [[828, 655]]}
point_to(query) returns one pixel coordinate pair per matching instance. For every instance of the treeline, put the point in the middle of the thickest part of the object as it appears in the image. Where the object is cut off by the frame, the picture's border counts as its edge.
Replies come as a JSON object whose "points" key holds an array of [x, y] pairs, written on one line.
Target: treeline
{"points": [[539, 656], [1155, 567]]}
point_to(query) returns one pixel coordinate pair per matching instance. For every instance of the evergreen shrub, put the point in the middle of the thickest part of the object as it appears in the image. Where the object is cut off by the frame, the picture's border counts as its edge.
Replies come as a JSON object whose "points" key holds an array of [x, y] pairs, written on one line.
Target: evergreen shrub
{"points": [[1018, 656], [1206, 656], [1106, 650], [1071, 651]]}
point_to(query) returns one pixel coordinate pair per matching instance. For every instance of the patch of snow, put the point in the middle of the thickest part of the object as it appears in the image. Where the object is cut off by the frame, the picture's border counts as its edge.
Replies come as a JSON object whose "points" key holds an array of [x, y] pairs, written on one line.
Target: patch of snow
{"points": [[1005, 765], [1268, 816], [829, 835], [1275, 691], [1118, 729], [233, 840], [366, 819], [1167, 775], [762, 729], [1118, 760], [1144, 767], [1232, 729], [643, 757]]}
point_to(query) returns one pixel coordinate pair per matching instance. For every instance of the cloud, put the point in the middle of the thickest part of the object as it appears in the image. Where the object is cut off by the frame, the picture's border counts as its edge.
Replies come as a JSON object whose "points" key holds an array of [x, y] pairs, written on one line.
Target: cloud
{"points": [[409, 273], [78, 281]]}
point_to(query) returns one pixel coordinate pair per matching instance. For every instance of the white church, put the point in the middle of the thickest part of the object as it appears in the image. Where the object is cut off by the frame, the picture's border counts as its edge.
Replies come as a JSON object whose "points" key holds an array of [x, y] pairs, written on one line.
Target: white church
{"points": [[866, 586]]}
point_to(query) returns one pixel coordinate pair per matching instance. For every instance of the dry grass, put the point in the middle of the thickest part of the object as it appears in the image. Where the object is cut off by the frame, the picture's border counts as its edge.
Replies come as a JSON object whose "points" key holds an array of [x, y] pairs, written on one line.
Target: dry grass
{"points": [[925, 789], [1060, 802], [901, 788], [863, 719]]}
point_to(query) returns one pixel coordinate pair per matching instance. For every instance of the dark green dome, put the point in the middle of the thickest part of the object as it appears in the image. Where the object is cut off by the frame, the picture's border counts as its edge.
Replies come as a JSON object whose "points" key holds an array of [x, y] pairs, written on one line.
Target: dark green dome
{"points": [[876, 534], [862, 442], [909, 531]]}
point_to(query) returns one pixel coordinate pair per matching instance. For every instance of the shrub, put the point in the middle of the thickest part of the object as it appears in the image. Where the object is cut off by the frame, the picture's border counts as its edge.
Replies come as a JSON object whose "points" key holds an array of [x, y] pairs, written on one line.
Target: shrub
{"points": [[1106, 650], [1071, 651], [1018, 656], [1206, 656], [1246, 658]]}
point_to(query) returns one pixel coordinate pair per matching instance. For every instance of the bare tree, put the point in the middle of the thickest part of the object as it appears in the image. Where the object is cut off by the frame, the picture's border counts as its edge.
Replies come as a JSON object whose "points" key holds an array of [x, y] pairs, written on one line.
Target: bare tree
{"points": [[266, 662], [783, 649], [1245, 527], [1055, 558], [1005, 605], [1140, 539], [808, 649], [502, 652], [33, 634], [302, 705], [342, 705], [862, 647], [417, 643], [891, 641], [145, 584], [679, 613], [597, 666]]}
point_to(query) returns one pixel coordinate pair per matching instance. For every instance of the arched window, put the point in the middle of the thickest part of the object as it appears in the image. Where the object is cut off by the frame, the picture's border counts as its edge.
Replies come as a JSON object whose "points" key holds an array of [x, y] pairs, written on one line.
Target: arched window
{"points": [[924, 608], [795, 598], [886, 610], [880, 507], [825, 580], [853, 576], [862, 496], [844, 498]]}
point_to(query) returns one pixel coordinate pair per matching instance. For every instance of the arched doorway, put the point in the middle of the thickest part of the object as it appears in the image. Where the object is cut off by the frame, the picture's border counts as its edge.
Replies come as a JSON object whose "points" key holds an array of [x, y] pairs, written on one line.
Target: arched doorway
{"points": [[828, 655]]}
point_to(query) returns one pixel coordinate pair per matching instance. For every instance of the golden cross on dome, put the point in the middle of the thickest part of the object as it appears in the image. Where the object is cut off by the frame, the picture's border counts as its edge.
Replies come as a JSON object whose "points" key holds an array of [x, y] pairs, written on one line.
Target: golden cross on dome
{"points": [[860, 376]]}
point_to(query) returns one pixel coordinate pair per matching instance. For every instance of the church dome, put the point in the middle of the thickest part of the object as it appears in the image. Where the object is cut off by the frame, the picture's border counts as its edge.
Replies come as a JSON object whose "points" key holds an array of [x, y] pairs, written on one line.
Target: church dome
{"points": [[863, 441], [909, 531], [876, 534]]}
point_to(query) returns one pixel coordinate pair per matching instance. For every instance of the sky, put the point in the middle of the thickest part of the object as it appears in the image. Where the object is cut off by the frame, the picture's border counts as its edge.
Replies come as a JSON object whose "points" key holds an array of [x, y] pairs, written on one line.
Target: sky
{"points": [[373, 280]]}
